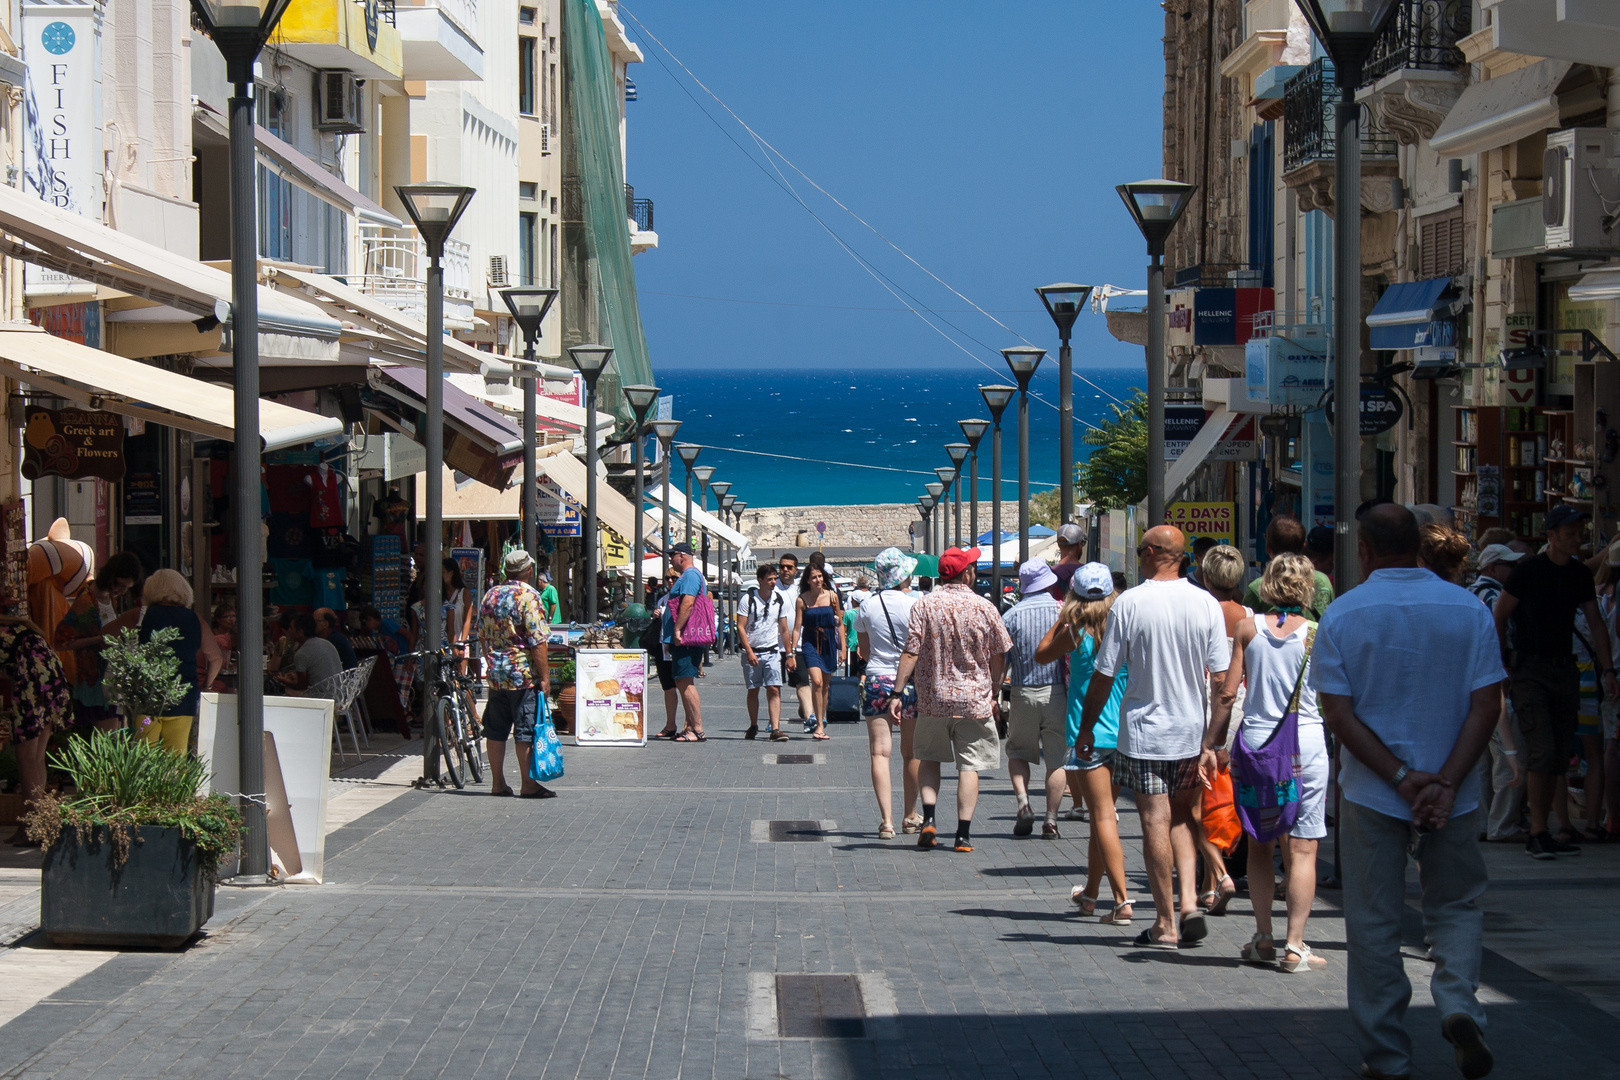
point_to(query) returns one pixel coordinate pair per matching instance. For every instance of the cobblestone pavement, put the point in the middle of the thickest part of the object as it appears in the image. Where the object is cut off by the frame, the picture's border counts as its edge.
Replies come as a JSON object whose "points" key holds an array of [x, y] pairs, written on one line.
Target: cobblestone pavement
{"points": [[634, 926]]}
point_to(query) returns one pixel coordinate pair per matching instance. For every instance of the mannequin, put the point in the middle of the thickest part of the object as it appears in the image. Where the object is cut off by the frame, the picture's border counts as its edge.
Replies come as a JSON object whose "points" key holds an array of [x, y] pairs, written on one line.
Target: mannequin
{"points": [[58, 567]]}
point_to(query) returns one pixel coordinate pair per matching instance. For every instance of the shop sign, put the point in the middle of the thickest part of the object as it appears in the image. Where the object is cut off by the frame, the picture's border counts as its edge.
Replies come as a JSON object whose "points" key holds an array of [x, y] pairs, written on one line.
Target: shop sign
{"points": [[1520, 386], [1316, 494], [1216, 520], [75, 444], [72, 322], [570, 390], [1381, 409], [560, 514], [1287, 371], [1182, 424], [143, 500], [1215, 317], [612, 689], [61, 46], [615, 552], [471, 561]]}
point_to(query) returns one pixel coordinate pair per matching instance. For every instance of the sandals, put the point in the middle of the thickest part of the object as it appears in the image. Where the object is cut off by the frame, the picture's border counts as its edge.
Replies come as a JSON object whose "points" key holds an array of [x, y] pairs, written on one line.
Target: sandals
{"points": [[1086, 904], [1307, 962], [885, 832], [911, 824], [696, 736], [1193, 927], [1147, 941], [821, 736], [1218, 907], [1119, 916], [1261, 949], [668, 736]]}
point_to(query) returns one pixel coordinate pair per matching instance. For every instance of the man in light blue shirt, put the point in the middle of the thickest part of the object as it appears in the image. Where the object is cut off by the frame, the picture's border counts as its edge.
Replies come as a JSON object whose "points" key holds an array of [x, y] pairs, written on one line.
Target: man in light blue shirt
{"points": [[1408, 673]]}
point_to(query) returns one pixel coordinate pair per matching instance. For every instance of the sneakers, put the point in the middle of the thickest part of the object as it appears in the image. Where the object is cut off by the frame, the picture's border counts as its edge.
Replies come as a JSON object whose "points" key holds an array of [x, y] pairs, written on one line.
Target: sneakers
{"points": [[1541, 846], [926, 838], [1474, 1058], [809, 724], [962, 845], [1562, 848], [1026, 821]]}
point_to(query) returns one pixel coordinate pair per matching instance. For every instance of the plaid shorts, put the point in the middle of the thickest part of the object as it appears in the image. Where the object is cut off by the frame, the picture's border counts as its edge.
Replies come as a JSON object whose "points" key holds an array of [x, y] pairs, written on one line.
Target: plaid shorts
{"points": [[876, 691], [1146, 776]]}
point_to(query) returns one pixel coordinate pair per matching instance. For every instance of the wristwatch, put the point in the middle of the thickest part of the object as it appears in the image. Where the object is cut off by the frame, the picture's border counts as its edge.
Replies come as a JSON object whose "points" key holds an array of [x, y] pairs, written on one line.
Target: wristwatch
{"points": [[1400, 774]]}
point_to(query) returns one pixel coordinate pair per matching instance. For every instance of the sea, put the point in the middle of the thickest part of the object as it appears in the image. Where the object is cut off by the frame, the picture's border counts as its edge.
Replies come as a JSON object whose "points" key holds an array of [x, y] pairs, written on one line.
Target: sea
{"points": [[859, 436]]}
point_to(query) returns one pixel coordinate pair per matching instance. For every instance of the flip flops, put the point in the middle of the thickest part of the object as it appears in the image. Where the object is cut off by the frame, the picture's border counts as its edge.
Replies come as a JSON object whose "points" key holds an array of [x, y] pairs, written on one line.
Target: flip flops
{"points": [[1147, 941], [696, 736]]}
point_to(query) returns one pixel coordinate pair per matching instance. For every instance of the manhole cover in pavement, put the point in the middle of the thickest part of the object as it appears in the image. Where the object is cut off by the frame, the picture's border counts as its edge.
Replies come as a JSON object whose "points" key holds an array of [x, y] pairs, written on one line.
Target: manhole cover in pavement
{"points": [[797, 832], [795, 759], [819, 1006]]}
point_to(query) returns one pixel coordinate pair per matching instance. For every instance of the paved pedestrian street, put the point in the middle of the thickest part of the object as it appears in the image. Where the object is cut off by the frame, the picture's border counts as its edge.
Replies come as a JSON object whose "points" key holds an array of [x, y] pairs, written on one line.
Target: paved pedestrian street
{"points": [[646, 924]]}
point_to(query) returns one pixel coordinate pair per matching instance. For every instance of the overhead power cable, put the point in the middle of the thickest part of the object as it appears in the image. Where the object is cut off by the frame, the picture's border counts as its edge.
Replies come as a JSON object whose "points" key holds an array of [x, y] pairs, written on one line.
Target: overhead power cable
{"points": [[853, 464]]}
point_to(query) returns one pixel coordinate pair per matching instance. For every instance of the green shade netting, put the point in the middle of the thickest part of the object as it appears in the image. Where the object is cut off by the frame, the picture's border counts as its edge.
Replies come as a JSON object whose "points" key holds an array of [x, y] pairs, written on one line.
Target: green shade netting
{"points": [[595, 120]]}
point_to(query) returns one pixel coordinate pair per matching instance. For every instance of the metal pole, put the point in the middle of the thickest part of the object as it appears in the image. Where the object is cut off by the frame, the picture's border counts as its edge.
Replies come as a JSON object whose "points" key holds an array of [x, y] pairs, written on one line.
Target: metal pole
{"points": [[973, 495], [640, 593], [1023, 469], [1347, 330], [663, 571], [433, 439], [255, 861], [956, 487], [1155, 392], [590, 499], [1065, 430], [531, 469], [995, 513], [689, 504]]}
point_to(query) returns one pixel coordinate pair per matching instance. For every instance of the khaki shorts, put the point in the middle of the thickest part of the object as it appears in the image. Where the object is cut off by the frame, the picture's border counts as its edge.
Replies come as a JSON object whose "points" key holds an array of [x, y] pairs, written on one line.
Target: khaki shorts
{"points": [[1039, 722], [971, 744]]}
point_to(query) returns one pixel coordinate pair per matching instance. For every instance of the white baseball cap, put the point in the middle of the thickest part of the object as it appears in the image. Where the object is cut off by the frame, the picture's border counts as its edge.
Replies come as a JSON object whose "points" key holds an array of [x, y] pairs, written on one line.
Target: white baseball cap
{"points": [[1495, 553], [1093, 581]]}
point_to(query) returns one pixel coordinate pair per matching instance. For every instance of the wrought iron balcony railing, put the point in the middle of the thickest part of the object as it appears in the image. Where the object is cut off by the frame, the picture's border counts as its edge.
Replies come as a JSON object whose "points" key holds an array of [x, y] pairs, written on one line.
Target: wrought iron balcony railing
{"points": [[637, 210], [1310, 107], [1421, 34]]}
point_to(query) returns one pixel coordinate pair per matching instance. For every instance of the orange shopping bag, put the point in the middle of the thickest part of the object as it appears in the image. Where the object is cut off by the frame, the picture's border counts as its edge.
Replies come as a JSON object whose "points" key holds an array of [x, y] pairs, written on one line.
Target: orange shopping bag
{"points": [[1221, 825]]}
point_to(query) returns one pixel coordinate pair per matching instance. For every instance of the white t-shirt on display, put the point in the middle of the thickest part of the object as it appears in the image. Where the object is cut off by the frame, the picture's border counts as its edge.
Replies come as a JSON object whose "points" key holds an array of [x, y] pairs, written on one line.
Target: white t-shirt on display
{"points": [[1169, 635], [886, 646]]}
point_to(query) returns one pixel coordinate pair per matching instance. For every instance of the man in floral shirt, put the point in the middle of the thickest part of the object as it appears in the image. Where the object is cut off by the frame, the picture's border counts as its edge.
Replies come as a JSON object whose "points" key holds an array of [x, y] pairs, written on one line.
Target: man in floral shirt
{"points": [[512, 630], [957, 648]]}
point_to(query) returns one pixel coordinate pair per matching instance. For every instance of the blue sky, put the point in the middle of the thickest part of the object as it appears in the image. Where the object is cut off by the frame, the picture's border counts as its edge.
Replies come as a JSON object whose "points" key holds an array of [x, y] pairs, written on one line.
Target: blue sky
{"points": [[985, 139]]}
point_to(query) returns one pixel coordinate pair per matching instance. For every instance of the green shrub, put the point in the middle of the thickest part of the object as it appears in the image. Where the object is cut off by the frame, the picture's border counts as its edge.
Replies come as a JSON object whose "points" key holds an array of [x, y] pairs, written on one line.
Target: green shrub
{"points": [[143, 677]]}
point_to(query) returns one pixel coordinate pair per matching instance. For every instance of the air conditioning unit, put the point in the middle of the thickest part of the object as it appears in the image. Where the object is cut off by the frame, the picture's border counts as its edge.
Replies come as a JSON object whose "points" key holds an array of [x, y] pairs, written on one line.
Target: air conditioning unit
{"points": [[342, 102], [1580, 190], [497, 272], [545, 138]]}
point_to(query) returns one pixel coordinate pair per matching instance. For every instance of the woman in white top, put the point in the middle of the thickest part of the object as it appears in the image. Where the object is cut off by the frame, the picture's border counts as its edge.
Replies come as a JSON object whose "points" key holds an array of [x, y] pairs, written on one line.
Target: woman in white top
{"points": [[881, 624], [1269, 653]]}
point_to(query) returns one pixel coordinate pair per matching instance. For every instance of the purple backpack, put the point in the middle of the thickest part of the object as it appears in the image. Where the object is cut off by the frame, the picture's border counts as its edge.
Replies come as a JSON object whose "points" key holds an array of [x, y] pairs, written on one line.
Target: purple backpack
{"points": [[1265, 781]]}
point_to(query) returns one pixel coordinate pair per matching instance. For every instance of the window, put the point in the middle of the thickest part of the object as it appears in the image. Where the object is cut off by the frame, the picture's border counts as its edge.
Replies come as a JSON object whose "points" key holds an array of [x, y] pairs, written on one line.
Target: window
{"points": [[527, 68], [1440, 244], [275, 194], [528, 190], [526, 16], [528, 227]]}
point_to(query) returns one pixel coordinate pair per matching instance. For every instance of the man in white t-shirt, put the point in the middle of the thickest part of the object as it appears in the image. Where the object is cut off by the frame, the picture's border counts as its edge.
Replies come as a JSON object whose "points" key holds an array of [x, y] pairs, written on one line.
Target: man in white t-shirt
{"points": [[761, 628], [1171, 637], [881, 624], [793, 673], [1408, 671]]}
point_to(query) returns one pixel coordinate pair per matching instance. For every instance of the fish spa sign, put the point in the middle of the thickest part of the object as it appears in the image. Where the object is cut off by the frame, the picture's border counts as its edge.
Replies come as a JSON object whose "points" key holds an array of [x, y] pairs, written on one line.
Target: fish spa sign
{"points": [[75, 444], [61, 45]]}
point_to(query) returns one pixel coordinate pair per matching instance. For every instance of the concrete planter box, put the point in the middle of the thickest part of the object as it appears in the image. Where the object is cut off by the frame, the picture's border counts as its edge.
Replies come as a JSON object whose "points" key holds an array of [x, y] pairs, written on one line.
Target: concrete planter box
{"points": [[159, 897]]}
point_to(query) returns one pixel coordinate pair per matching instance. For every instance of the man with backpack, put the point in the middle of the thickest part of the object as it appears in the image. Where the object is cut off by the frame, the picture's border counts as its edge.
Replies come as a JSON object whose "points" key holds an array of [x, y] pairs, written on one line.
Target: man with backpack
{"points": [[762, 627]]}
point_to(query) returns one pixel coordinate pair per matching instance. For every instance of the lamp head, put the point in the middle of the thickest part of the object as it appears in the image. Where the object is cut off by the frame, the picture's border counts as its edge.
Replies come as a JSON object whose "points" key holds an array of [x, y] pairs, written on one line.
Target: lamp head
{"points": [[434, 209], [958, 452], [1023, 359], [1063, 302], [946, 474], [720, 487], [689, 453], [996, 397], [642, 399], [927, 504], [726, 501], [528, 307], [703, 473], [1156, 206], [738, 506], [239, 28], [1347, 29], [665, 430], [935, 490], [591, 360], [973, 431]]}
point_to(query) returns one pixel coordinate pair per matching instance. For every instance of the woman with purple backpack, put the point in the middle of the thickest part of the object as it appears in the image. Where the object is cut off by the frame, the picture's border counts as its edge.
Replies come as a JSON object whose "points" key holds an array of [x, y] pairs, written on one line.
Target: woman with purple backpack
{"points": [[1279, 758]]}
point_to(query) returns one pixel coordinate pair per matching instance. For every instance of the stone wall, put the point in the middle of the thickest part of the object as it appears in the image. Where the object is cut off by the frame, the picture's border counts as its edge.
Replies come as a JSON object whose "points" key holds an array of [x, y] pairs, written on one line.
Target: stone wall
{"points": [[878, 525]]}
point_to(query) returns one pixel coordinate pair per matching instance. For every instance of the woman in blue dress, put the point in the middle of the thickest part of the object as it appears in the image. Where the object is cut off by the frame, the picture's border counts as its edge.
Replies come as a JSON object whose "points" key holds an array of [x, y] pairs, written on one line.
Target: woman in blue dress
{"points": [[818, 631]]}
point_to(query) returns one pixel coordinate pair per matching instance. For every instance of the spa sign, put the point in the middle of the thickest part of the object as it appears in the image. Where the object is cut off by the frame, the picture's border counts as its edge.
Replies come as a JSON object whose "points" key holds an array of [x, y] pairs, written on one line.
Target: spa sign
{"points": [[75, 444]]}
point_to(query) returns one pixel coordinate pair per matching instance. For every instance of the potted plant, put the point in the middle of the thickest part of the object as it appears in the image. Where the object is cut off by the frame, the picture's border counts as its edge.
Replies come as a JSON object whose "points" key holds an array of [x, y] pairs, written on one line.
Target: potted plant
{"points": [[143, 677], [565, 698]]}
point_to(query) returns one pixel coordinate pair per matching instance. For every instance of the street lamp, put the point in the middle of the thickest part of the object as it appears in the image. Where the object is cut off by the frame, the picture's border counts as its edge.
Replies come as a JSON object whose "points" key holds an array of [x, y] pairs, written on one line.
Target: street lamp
{"points": [[1347, 29], [434, 209], [528, 307], [665, 430], [996, 398], [947, 476], [1156, 206], [720, 488], [641, 400], [958, 452], [737, 508], [704, 474], [239, 31], [689, 455], [973, 431], [936, 538], [591, 360], [1023, 360], [926, 502], [729, 604], [1063, 302]]}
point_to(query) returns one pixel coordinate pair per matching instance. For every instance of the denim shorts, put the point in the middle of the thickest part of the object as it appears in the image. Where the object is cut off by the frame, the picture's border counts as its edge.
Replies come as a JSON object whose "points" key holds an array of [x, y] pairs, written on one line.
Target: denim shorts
{"points": [[507, 710], [1100, 756], [688, 660]]}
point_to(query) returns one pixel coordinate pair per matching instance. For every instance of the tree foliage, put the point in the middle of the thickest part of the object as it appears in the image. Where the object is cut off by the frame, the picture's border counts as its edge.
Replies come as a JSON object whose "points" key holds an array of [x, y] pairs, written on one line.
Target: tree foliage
{"points": [[1115, 475]]}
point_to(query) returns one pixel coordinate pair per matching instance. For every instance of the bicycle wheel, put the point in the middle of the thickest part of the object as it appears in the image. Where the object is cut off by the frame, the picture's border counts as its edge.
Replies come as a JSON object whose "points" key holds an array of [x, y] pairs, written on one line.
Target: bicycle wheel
{"points": [[449, 743], [468, 742]]}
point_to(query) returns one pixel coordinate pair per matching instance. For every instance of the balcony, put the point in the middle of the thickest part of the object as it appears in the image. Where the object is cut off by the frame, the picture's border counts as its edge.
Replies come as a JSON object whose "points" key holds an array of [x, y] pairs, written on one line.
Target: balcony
{"points": [[341, 35], [1415, 72], [440, 40], [1310, 151], [643, 237], [394, 271]]}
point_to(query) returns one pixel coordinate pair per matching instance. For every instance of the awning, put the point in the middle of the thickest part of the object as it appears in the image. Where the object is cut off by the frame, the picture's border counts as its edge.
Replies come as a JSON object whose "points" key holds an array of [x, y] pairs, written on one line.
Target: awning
{"points": [[479, 441], [551, 413], [128, 387], [1600, 284], [300, 170], [468, 500], [1503, 110], [1406, 316], [1039, 548], [700, 518], [612, 509], [39, 233]]}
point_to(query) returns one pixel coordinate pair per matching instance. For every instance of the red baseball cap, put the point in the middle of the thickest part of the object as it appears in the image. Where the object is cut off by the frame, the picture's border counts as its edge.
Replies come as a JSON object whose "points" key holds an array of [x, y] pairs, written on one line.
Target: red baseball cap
{"points": [[955, 560]]}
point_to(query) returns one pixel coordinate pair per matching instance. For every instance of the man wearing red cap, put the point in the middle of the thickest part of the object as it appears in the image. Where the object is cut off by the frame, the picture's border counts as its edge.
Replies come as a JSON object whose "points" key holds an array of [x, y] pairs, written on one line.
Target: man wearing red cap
{"points": [[957, 648]]}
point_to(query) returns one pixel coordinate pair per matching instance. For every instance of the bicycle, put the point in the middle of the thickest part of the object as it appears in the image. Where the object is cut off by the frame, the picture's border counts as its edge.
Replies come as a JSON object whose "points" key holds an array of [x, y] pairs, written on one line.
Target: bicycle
{"points": [[453, 735]]}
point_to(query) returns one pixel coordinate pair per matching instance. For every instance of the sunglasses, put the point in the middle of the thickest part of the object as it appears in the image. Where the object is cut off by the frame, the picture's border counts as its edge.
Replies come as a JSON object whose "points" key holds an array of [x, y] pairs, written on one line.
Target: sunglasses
{"points": [[1145, 548]]}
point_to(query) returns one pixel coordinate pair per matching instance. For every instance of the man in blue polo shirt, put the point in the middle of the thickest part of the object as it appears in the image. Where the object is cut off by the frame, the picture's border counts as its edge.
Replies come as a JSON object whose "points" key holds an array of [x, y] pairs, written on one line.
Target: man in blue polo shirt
{"points": [[688, 659]]}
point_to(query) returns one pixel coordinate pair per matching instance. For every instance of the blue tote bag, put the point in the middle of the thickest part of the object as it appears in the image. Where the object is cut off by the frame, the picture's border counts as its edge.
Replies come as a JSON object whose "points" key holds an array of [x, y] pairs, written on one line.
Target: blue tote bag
{"points": [[547, 762]]}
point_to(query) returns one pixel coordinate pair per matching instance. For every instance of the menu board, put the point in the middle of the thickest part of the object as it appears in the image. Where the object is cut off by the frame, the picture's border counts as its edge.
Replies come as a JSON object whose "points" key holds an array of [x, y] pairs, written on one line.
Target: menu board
{"points": [[610, 689]]}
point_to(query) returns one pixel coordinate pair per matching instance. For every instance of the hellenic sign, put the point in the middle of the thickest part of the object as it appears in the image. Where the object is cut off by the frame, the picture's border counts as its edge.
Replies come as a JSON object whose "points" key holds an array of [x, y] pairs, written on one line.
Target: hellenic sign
{"points": [[74, 444]]}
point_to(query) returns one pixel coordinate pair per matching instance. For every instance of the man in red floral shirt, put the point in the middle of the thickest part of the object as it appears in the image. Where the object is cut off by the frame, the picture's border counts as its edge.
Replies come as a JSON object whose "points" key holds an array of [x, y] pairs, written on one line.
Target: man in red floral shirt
{"points": [[957, 648]]}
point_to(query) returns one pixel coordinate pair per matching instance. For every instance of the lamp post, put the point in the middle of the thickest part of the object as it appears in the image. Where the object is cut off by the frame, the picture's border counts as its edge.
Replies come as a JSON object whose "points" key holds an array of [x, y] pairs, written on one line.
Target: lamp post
{"points": [[239, 31], [926, 503], [720, 488], [947, 477], [591, 360], [689, 456], [1347, 29], [1156, 206], [973, 431], [936, 537], [665, 430], [958, 452], [528, 307], [1063, 302], [737, 508], [996, 399], [704, 474], [729, 606], [1023, 360], [641, 400], [434, 209]]}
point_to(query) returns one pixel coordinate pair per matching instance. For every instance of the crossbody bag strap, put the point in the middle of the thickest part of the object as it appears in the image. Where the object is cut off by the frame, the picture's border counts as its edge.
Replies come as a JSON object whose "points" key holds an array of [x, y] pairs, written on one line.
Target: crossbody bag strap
{"points": [[1299, 683], [892, 635]]}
